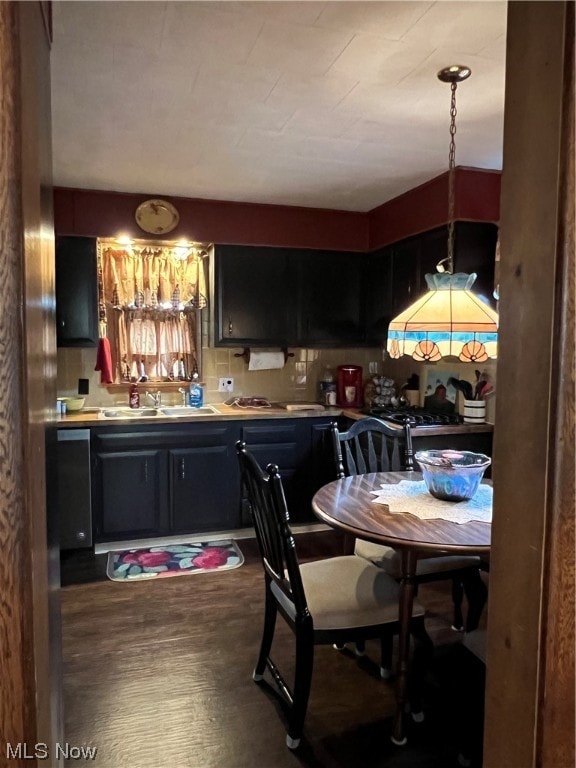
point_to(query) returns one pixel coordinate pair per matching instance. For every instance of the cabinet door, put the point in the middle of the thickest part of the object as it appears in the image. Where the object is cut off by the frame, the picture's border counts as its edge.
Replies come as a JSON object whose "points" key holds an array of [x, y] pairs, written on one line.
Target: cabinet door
{"points": [[132, 493], [475, 247], [76, 292], [331, 310], [204, 488], [254, 296], [412, 260], [298, 447], [378, 295]]}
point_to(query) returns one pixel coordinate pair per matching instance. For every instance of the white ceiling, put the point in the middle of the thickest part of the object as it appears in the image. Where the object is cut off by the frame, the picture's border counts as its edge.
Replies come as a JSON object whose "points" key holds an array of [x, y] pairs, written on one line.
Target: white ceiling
{"points": [[320, 104]]}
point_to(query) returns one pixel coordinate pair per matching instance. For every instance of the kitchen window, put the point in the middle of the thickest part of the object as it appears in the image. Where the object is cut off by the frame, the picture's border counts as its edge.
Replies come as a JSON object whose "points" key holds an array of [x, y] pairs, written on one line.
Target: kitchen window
{"points": [[150, 296]]}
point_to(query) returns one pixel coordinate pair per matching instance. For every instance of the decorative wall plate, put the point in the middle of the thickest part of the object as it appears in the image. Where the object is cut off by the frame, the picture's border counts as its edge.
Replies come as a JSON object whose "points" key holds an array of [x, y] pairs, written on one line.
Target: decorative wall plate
{"points": [[157, 216]]}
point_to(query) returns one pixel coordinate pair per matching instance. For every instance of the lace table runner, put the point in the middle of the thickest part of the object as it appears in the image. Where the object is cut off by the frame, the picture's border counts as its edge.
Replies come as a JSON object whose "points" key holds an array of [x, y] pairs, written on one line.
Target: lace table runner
{"points": [[413, 497]]}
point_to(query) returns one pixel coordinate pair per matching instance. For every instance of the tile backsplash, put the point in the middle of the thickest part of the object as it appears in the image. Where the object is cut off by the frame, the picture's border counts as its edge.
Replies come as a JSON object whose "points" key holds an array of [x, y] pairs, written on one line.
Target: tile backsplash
{"points": [[297, 380]]}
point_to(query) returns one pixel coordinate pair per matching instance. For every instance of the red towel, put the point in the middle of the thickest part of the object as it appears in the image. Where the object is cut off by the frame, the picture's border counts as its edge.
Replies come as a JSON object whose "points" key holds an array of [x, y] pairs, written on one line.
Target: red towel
{"points": [[104, 362]]}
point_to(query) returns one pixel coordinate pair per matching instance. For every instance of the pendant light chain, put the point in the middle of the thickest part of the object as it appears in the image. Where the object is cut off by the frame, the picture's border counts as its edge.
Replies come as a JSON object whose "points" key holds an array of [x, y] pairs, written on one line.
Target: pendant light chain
{"points": [[451, 174]]}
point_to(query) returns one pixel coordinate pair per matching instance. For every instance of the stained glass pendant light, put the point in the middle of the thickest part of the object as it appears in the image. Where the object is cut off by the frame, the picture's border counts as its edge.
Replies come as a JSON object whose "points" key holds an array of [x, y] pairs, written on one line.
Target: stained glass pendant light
{"points": [[449, 320]]}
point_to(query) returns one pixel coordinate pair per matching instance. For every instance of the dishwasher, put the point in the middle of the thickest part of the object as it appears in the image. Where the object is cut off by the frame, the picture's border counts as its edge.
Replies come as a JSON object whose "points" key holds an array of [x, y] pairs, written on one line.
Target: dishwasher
{"points": [[74, 488]]}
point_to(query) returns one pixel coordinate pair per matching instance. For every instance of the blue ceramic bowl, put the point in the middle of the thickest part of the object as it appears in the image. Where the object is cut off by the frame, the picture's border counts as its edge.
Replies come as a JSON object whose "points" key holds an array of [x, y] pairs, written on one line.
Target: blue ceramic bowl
{"points": [[452, 475]]}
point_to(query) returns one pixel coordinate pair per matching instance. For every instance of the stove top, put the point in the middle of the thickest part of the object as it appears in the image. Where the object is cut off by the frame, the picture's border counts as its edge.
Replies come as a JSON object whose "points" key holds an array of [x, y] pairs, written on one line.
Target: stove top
{"points": [[413, 415]]}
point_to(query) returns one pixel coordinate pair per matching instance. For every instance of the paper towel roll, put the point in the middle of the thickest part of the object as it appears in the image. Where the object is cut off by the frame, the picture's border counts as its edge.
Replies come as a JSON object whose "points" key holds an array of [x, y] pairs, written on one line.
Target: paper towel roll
{"points": [[264, 361]]}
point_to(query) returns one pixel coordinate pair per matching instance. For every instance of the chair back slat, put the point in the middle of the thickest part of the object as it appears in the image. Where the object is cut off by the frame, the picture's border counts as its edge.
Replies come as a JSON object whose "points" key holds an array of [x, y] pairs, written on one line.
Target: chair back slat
{"points": [[372, 445], [264, 493], [385, 464]]}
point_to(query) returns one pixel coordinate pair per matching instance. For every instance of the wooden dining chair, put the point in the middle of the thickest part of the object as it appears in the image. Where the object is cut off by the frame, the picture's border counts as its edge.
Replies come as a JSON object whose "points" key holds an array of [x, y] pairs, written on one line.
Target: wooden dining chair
{"points": [[334, 600], [374, 445]]}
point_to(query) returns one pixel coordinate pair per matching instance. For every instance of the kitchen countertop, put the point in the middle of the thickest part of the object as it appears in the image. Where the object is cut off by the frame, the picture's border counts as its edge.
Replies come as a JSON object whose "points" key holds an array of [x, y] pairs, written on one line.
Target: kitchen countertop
{"points": [[233, 413], [225, 413]]}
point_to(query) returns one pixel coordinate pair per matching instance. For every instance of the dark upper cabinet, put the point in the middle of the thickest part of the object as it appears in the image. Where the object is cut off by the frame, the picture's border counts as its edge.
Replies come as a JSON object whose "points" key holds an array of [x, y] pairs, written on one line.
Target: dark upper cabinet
{"points": [[76, 292], [378, 295], [412, 260], [397, 273], [281, 296], [304, 297], [330, 306], [253, 290], [475, 251]]}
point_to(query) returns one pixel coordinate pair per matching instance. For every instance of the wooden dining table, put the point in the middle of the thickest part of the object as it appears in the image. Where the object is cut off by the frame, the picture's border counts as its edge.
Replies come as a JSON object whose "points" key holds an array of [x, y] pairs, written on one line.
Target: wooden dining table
{"points": [[349, 505]]}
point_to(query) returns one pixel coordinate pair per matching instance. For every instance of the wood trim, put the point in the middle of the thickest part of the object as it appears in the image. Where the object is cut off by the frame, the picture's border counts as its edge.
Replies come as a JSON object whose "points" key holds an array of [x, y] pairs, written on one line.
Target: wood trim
{"points": [[532, 352], [17, 690], [557, 706], [29, 640], [38, 352]]}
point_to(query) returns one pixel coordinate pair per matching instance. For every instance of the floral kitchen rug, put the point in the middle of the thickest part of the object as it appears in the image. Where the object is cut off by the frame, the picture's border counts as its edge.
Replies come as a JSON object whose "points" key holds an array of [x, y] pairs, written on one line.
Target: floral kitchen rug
{"points": [[173, 560]]}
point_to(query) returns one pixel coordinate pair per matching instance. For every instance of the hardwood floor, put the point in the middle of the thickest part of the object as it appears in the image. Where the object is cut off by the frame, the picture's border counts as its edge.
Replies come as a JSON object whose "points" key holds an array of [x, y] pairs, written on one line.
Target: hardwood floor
{"points": [[159, 673]]}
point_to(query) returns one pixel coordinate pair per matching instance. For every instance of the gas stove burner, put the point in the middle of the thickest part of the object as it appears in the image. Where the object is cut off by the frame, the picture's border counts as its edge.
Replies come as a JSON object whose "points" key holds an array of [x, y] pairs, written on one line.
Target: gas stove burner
{"points": [[415, 416]]}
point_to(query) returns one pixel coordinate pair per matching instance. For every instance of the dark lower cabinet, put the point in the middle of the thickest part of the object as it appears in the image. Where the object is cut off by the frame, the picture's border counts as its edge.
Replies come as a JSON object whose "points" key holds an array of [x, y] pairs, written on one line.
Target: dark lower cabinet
{"points": [[301, 449], [158, 481], [203, 488], [184, 479], [132, 486]]}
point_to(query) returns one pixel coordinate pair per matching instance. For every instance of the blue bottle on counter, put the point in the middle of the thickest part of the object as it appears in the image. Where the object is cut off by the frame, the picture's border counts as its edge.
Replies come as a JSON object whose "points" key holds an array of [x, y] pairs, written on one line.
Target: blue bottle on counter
{"points": [[196, 394]]}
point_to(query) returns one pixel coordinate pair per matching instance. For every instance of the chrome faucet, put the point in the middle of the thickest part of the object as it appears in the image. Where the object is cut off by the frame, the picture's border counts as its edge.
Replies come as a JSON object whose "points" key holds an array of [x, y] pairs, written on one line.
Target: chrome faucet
{"points": [[156, 398], [184, 393]]}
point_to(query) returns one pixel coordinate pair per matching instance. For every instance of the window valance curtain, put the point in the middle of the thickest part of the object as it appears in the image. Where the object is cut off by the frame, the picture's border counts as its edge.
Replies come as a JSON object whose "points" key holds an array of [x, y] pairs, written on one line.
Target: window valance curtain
{"points": [[149, 297], [153, 277]]}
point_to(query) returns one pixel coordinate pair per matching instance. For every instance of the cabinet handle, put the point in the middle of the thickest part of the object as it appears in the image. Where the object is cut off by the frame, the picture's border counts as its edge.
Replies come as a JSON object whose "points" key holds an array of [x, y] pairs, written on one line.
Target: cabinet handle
{"points": [[229, 325], [145, 471], [182, 469]]}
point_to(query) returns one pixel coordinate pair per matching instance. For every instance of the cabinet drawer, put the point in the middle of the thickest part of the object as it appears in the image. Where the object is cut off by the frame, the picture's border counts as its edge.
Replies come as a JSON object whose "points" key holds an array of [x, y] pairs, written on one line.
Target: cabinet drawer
{"points": [[184, 435], [265, 434], [285, 456]]}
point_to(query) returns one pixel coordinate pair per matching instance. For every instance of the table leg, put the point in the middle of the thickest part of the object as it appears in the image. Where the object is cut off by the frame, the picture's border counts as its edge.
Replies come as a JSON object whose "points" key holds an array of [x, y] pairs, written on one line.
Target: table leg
{"points": [[409, 559]]}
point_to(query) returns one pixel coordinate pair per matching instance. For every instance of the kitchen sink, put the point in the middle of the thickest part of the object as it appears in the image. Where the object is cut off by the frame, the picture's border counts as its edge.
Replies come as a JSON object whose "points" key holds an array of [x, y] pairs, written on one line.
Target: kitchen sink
{"points": [[186, 410], [129, 413], [173, 411]]}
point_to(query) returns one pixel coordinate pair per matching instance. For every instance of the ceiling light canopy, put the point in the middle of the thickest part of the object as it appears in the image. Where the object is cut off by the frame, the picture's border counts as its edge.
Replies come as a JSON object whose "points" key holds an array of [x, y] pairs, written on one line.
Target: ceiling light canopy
{"points": [[450, 320]]}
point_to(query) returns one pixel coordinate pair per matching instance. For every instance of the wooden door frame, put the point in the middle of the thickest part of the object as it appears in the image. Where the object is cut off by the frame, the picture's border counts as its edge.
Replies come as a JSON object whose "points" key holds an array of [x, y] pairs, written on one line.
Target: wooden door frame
{"points": [[529, 656], [530, 660], [30, 704]]}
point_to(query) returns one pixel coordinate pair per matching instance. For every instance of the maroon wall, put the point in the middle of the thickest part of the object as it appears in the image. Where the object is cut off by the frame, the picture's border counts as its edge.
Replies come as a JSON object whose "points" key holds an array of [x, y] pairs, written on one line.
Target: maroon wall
{"points": [[476, 197], [108, 214]]}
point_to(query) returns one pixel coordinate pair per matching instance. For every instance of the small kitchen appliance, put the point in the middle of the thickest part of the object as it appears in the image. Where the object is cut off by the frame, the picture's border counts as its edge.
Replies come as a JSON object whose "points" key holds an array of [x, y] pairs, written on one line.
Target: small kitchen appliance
{"points": [[349, 388]]}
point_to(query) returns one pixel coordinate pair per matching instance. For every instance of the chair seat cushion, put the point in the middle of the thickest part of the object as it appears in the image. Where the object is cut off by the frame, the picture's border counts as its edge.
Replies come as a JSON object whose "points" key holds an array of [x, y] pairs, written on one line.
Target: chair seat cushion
{"points": [[390, 560], [348, 592]]}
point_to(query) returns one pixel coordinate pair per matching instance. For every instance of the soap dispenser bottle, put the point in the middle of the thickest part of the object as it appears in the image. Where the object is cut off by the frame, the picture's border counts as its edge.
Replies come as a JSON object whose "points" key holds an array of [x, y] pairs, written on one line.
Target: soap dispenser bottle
{"points": [[196, 394]]}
